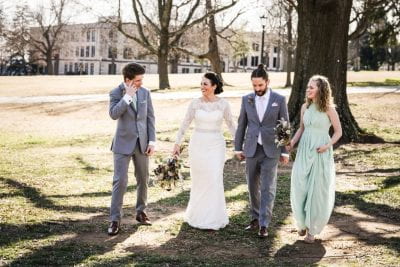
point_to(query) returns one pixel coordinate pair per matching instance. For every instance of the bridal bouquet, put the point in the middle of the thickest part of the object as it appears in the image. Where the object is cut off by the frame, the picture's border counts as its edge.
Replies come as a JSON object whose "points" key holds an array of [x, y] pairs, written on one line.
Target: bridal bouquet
{"points": [[168, 173], [282, 133]]}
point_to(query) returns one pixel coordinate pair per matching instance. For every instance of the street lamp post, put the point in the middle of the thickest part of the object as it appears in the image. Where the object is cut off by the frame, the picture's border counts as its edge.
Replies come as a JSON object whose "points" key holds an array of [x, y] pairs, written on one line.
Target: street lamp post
{"points": [[263, 23]]}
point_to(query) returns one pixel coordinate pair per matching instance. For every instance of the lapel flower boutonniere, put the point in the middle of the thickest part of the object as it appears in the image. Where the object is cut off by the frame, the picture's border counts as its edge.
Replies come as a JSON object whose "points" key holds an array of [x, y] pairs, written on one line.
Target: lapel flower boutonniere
{"points": [[250, 99]]}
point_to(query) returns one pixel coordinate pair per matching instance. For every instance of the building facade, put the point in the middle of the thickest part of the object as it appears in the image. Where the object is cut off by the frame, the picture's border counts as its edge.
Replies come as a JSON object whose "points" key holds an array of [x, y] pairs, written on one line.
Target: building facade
{"points": [[98, 49]]}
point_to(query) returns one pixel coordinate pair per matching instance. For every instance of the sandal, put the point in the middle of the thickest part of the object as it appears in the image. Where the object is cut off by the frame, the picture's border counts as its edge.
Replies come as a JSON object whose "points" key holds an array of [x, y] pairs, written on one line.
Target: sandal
{"points": [[301, 232], [309, 239]]}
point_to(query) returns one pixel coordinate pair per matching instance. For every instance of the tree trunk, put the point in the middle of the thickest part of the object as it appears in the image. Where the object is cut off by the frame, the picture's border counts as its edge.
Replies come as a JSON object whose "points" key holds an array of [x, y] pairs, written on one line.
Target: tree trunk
{"points": [[322, 49], [163, 62], [213, 52], [49, 62], [289, 47], [174, 61]]}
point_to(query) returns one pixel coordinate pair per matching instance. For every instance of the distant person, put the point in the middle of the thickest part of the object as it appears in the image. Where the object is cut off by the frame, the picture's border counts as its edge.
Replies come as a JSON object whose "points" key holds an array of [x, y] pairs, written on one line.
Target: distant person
{"points": [[312, 192], [255, 142], [207, 207], [131, 105]]}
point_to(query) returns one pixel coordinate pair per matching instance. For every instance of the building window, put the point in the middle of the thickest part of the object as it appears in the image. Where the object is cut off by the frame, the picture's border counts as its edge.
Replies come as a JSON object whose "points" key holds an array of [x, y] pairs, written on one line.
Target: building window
{"points": [[111, 35], [82, 52], [87, 51], [128, 54], [274, 63], [91, 68], [254, 61], [243, 61], [86, 68], [256, 47], [93, 51], [93, 36], [187, 59], [275, 49], [76, 68], [77, 52], [112, 52], [197, 70], [88, 36], [185, 70], [65, 68]]}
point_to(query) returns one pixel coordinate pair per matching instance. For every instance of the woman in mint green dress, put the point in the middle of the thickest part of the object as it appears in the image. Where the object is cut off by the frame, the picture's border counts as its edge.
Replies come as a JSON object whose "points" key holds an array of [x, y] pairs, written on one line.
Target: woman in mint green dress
{"points": [[312, 193]]}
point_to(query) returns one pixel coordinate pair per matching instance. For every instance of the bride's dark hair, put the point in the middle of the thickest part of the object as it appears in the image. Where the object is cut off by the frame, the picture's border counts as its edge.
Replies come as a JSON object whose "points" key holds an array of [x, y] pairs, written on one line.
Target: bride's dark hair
{"points": [[215, 80], [260, 72]]}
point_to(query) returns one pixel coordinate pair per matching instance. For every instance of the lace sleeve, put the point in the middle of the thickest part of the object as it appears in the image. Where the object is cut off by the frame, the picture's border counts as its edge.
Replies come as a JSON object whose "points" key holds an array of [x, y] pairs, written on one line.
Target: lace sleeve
{"points": [[229, 119], [186, 122]]}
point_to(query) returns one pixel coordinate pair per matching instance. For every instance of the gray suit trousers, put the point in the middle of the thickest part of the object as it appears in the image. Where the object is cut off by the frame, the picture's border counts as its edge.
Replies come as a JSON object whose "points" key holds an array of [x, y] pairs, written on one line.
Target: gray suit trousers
{"points": [[261, 175], [120, 181]]}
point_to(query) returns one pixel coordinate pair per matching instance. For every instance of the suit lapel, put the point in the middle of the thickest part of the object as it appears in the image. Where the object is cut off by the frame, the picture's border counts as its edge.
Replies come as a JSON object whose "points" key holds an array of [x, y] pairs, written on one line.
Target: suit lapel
{"points": [[139, 96], [271, 100], [251, 100]]}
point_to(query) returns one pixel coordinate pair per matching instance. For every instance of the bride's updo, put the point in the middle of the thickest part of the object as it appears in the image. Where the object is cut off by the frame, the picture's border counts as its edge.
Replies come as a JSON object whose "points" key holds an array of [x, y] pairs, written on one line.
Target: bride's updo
{"points": [[215, 80]]}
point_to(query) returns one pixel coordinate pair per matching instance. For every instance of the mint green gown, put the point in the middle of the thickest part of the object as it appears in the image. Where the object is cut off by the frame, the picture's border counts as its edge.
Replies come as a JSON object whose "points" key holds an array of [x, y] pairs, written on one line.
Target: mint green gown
{"points": [[312, 192]]}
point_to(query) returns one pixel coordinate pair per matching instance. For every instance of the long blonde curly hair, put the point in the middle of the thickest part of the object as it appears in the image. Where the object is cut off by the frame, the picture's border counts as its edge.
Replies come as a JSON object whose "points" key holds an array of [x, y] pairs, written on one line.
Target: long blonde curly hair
{"points": [[323, 99]]}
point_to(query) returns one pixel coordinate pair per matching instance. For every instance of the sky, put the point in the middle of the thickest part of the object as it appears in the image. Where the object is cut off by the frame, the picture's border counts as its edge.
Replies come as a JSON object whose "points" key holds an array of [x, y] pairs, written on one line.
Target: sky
{"points": [[250, 19]]}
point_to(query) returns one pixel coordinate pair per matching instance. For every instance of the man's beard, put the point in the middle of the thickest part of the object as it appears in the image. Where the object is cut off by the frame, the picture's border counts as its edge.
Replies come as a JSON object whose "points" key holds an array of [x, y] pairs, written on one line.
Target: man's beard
{"points": [[261, 93]]}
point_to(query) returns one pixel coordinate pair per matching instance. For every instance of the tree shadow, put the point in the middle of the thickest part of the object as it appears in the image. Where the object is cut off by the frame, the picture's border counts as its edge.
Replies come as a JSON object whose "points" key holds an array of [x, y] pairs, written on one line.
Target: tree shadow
{"points": [[379, 212], [352, 227], [374, 209], [74, 247], [303, 253], [229, 246]]}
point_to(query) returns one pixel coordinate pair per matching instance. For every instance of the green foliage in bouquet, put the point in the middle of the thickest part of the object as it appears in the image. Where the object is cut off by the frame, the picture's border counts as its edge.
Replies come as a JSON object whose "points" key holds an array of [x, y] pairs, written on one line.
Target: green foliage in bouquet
{"points": [[168, 172]]}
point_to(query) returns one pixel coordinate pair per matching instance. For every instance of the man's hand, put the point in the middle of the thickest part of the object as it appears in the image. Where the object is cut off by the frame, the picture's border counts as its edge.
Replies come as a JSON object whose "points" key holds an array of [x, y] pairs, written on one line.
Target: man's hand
{"points": [[149, 150], [284, 160], [240, 155], [130, 88]]}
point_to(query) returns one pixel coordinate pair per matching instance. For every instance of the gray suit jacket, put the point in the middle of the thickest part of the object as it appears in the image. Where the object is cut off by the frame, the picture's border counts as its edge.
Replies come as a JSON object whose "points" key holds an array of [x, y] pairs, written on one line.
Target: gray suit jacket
{"points": [[249, 125], [132, 124]]}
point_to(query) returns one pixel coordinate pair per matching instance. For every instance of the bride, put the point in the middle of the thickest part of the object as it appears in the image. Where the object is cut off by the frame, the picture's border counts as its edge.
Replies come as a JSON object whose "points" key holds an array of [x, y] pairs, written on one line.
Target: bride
{"points": [[207, 207]]}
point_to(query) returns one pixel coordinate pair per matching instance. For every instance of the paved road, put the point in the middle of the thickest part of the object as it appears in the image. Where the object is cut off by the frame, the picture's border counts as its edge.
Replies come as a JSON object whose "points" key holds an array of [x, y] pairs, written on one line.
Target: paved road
{"points": [[170, 95]]}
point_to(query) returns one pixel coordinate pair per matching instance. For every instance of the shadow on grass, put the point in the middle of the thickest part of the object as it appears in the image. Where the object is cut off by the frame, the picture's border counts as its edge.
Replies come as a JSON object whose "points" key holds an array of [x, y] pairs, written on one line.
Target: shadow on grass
{"points": [[374, 209], [190, 245], [231, 246], [379, 213]]}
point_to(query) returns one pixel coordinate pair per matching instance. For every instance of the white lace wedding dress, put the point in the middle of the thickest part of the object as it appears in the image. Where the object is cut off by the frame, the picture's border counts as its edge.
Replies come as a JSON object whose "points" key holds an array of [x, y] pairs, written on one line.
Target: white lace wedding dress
{"points": [[207, 208]]}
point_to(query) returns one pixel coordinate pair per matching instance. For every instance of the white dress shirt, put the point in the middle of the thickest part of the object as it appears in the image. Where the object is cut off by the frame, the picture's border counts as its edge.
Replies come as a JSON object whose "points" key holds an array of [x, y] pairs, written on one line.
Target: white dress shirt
{"points": [[261, 106]]}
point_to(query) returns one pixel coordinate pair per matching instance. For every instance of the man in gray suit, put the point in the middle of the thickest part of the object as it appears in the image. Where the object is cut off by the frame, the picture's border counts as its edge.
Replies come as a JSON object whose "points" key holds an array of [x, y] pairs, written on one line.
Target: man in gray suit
{"points": [[131, 105], [259, 114]]}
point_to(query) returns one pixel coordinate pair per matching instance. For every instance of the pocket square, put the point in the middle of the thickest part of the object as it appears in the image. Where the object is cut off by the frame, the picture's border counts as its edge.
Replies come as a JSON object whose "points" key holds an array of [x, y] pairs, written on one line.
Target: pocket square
{"points": [[274, 104]]}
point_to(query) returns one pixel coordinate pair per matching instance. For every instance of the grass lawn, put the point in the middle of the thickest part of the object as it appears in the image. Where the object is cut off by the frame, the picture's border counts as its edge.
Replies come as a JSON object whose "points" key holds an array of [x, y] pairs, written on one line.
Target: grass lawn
{"points": [[55, 191], [102, 84]]}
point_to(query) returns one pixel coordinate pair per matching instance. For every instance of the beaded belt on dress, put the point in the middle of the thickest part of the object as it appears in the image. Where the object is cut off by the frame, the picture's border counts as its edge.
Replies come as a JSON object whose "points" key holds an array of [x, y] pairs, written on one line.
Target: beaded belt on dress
{"points": [[206, 130]]}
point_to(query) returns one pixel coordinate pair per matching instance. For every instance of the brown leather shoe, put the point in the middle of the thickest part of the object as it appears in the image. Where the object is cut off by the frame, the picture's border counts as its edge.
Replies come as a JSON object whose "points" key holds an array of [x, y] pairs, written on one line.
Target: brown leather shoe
{"points": [[142, 218], [252, 225], [263, 232], [113, 229]]}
